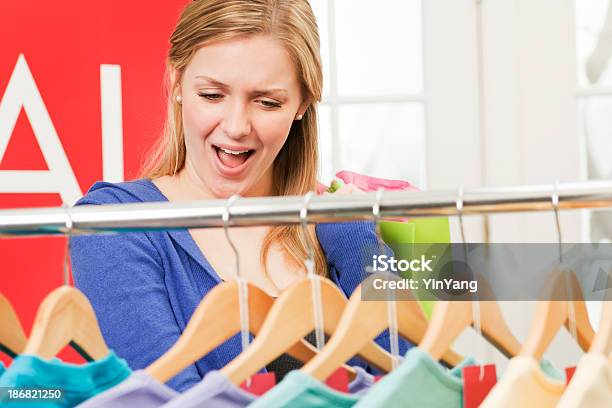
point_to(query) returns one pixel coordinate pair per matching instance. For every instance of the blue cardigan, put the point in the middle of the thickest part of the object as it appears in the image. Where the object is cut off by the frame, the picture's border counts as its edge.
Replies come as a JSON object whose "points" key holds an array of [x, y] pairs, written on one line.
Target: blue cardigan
{"points": [[144, 286]]}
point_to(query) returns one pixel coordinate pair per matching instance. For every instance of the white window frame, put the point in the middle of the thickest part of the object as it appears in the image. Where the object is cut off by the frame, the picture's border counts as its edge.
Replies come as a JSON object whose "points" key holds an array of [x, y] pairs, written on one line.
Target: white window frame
{"points": [[431, 174]]}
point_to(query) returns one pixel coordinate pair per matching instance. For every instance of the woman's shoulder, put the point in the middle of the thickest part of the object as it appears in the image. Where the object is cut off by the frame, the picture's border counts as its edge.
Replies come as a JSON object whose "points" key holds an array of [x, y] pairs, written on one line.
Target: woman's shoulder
{"points": [[135, 191], [345, 236]]}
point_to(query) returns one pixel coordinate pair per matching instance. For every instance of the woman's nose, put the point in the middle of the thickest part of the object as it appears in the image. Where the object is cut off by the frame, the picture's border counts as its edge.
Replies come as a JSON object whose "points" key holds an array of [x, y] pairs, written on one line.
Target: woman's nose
{"points": [[236, 121]]}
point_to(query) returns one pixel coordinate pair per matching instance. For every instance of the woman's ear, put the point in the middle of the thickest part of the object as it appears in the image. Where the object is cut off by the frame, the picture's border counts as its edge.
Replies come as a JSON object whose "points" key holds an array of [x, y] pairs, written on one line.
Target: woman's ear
{"points": [[302, 109]]}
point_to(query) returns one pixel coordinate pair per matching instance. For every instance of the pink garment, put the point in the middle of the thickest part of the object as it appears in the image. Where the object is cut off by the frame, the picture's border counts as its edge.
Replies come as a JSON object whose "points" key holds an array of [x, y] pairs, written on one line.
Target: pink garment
{"points": [[368, 183], [321, 188]]}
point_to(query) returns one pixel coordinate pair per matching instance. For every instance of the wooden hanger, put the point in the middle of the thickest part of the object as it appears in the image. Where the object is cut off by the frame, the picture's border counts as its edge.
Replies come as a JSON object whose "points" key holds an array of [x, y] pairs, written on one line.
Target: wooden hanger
{"points": [[451, 318], [206, 330], [66, 317], [12, 336], [216, 319], [361, 322], [551, 315], [290, 319]]}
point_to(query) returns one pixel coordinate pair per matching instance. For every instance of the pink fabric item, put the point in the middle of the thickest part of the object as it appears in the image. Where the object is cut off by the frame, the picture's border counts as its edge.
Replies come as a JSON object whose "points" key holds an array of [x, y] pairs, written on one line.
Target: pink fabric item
{"points": [[368, 183], [321, 188]]}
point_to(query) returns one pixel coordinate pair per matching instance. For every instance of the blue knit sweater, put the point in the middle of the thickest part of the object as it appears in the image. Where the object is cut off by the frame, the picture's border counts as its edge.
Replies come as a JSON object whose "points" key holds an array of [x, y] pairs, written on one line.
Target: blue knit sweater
{"points": [[144, 286]]}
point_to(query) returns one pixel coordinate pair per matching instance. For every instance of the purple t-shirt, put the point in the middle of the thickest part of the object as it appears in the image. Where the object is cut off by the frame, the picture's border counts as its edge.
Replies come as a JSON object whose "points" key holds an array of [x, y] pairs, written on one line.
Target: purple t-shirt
{"points": [[138, 390], [216, 390], [362, 381]]}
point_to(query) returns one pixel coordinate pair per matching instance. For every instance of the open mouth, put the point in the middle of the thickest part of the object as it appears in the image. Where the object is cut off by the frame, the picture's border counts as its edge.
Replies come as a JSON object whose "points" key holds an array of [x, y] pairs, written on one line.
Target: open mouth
{"points": [[232, 159]]}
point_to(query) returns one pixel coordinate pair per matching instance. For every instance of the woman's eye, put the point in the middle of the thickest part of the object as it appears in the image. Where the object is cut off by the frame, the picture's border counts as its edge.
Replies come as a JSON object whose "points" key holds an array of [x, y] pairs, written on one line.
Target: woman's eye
{"points": [[269, 104], [211, 96]]}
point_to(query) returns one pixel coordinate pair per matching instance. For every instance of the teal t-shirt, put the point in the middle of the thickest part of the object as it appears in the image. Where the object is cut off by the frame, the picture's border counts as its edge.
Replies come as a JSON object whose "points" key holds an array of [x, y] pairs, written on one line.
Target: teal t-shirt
{"points": [[2, 369], [301, 390], [551, 370], [78, 382], [419, 381]]}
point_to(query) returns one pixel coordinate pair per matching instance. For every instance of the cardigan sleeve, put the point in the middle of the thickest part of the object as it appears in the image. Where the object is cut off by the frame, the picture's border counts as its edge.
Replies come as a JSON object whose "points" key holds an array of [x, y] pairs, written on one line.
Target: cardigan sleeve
{"points": [[123, 277], [349, 248]]}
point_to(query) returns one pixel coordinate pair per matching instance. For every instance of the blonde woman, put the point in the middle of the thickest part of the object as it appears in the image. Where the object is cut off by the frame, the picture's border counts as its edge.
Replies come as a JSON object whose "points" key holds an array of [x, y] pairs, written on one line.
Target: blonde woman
{"points": [[244, 78]]}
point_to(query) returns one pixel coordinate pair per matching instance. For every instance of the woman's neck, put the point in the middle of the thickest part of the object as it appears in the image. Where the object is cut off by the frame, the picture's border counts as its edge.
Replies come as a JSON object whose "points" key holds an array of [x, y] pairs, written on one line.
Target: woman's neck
{"points": [[186, 185]]}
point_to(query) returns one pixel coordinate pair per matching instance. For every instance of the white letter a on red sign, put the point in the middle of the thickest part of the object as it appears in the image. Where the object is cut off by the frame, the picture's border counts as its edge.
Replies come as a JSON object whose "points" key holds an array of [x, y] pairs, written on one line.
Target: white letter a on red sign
{"points": [[22, 91]]}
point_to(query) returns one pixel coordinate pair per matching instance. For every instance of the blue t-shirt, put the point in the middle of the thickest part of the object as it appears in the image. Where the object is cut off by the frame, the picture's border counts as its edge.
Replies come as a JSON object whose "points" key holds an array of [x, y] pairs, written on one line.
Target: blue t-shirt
{"points": [[77, 382], [144, 286]]}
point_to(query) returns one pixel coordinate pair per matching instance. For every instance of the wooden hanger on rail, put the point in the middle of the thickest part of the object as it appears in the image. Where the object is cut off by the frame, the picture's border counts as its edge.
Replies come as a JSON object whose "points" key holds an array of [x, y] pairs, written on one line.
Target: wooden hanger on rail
{"points": [[565, 306], [206, 329], [363, 320], [216, 319], [297, 311], [66, 317], [12, 335], [551, 315], [450, 318]]}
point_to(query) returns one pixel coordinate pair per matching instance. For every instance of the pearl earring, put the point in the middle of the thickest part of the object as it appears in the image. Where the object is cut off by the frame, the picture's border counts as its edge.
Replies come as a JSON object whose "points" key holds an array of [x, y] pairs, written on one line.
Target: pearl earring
{"points": [[179, 99], [298, 117]]}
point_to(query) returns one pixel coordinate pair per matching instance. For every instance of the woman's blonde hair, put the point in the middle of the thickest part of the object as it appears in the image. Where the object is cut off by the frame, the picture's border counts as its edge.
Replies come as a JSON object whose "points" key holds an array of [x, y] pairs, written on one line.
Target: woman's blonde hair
{"points": [[292, 22]]}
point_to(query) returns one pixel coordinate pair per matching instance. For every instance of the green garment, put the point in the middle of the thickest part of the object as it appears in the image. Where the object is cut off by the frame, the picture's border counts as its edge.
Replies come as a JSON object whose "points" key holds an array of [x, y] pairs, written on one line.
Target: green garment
{"points": [[301, 390], [552, 371], [77, 382], [419, 381], [416, 237]]}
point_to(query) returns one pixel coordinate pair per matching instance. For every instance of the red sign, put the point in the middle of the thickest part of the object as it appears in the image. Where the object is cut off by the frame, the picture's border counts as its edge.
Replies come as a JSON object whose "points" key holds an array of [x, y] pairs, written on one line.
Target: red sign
{"points": [[80, 101]]}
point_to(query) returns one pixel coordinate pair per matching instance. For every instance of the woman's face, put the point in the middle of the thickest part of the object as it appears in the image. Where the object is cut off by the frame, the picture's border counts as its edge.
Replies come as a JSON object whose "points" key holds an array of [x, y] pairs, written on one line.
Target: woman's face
{"points": [[239, 99]]}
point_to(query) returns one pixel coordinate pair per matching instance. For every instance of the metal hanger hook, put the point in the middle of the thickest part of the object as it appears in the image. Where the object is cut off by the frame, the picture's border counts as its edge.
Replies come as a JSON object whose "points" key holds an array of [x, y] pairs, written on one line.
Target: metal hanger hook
{"points": [[243, 294], [309, 262], [570, 290], [459, 205], [68, 230], [476, 302], [555, 205], [315, 286], [226, 219]]}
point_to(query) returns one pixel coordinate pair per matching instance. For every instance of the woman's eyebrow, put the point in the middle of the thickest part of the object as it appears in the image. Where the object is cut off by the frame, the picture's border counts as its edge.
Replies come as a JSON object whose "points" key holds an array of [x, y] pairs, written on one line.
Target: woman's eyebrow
{"points": [[281, 92], [212, 81], [274, 91]]}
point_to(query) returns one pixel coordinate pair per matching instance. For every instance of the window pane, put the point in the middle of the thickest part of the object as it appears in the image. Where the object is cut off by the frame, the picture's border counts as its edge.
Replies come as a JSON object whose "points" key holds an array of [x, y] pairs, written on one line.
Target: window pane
{"points": [[383, 140], [590, 18], [319, 7], [326, 173], [597, 127], [379, 49]]}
